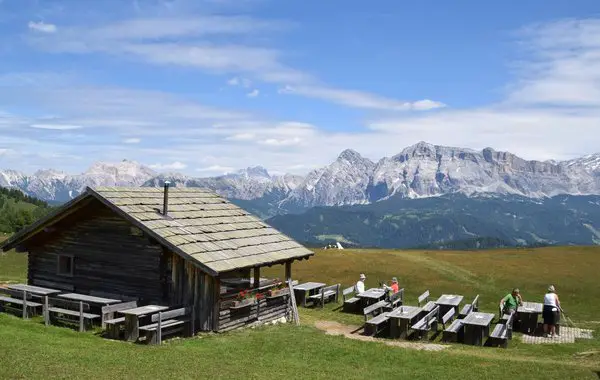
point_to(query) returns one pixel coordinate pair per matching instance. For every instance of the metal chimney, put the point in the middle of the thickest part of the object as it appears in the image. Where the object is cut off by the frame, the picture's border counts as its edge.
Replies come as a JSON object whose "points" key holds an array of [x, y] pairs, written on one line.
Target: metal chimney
{"points": [[166, 198]]}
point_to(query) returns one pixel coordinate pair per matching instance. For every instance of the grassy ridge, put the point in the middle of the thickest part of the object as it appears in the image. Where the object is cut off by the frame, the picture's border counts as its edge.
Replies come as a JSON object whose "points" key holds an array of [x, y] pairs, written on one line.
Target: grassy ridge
{"points": [[29, 350]]}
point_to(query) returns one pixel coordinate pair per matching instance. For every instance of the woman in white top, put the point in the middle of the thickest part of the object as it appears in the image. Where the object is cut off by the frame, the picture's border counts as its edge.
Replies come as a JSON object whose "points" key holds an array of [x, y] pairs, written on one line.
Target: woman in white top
{"points": [[360, 284], [550, 312]]}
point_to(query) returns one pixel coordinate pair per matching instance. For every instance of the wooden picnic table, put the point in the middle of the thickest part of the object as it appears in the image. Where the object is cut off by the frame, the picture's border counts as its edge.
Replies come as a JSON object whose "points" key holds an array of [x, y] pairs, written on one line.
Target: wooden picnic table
{"points": [[89, 299], [371, 296], [477, 327], [132, 319], [528, 315], [447, 302], [38, 290], [401, 319], [303, 291]]}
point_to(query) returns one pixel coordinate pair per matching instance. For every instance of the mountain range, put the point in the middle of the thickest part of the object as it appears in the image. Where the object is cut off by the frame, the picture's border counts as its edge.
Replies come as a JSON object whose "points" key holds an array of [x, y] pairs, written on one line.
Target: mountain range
{"points": [[418, 171]]}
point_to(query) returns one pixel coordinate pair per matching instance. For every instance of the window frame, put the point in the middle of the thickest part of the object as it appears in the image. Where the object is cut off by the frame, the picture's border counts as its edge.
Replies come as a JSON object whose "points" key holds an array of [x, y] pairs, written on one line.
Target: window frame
{"points": [[58, 260]]}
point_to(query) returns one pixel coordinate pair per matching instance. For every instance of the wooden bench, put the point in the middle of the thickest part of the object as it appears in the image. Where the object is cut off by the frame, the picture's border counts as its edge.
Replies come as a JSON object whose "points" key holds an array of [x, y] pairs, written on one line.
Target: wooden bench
{"points": [[71, 312], [374, 310], [448, 317], [455, 332], [395, 300], [350, 301], [427, 323], [423, 297], [168, 323], [325, 294], [470, 307], [376, 324], [112, 324], [18, 302]]}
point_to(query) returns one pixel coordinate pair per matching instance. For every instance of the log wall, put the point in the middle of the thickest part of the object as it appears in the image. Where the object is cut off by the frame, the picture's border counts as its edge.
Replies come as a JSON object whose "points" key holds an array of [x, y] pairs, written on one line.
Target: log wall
{"points": [[265, 310], [108, 256]]}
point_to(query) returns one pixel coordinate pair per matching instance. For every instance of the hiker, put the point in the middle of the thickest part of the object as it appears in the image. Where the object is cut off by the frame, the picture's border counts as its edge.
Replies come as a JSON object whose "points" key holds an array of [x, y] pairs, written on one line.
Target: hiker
{"points": [[394, 288], [550, 312], [510, 302], [360, 284]]}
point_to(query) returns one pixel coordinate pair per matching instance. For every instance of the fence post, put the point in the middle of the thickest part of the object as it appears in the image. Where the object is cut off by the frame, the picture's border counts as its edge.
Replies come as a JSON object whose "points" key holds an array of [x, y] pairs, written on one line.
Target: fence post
{"points": [[24, 304], [46, 313], [81, 316], [158, 328]]}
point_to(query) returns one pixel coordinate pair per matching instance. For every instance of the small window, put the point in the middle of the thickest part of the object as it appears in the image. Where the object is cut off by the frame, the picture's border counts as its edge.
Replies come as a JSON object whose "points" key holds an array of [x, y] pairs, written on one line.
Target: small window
{"points": [[65, 265]]}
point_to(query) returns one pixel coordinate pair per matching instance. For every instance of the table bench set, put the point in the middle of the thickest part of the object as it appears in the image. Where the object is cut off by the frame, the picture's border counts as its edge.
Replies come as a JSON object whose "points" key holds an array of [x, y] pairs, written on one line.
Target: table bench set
{"points": [[86, 311]]}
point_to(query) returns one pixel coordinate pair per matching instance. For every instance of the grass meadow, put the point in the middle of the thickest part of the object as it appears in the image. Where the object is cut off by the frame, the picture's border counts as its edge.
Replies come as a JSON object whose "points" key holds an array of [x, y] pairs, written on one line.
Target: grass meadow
{"points": [[31, 350]]}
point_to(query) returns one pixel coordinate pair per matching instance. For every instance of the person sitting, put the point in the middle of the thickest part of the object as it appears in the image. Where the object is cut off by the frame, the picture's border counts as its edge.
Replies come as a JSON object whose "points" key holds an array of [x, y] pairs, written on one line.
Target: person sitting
{"points": [[550, 312], [360, 284], [510, 302], [394, 287]]}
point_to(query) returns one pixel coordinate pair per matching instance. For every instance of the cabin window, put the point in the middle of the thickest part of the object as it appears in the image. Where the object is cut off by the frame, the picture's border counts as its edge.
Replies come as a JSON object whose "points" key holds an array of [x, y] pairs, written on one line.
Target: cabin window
{"points": [[65, 265]]}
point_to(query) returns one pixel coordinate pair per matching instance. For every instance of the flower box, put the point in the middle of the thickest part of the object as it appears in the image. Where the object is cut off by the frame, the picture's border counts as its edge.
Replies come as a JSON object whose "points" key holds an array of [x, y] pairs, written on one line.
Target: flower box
{"points": [[273, 293], [243, 303]]}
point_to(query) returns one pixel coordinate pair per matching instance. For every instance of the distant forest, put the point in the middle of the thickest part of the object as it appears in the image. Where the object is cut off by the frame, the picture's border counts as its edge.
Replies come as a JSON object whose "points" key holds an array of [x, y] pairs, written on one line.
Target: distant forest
{"points": [[18, 210]]}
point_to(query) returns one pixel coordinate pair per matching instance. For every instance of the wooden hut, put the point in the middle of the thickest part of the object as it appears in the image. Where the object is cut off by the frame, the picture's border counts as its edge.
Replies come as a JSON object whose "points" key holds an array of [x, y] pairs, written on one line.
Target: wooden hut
{"points": [[178, 246]]}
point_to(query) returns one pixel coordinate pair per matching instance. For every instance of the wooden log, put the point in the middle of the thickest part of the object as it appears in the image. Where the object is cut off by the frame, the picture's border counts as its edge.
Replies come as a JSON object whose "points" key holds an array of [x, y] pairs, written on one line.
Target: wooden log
{"points": [[46, 317], [159, 329]]}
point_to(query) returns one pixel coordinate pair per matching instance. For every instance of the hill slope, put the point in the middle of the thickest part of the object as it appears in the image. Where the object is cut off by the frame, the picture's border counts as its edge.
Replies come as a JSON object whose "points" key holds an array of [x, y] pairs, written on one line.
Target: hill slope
{"points": [[452, 221], [18, 210]]}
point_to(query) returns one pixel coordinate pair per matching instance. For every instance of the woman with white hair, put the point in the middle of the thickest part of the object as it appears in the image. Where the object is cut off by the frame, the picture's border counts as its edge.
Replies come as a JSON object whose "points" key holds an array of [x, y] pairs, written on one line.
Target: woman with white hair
{"points": [[550, 313]]}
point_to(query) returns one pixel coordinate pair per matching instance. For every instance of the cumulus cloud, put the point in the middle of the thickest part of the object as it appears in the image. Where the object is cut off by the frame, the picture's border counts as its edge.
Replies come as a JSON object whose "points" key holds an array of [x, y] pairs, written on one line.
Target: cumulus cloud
{"points": [[218, 169], [42, 27], [132, 140], [238, 81]]}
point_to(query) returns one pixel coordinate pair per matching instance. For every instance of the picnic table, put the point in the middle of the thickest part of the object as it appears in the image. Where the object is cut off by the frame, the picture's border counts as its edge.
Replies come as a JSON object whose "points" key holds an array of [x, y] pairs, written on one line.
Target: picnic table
{"points": [[477, 327], [303, 291], [132, 319], [447, 302], [528, 314], [371, 296], [37, 290], [401, 319], [89, 299]]}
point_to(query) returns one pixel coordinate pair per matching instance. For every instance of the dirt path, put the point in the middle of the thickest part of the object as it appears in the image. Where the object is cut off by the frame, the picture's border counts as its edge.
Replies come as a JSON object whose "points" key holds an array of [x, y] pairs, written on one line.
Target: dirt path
{"points": [[335, 328]]}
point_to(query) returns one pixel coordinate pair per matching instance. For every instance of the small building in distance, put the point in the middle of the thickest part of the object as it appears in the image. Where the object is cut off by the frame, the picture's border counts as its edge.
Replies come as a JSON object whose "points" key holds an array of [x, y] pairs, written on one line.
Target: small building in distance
{"points": [[178, 246]]}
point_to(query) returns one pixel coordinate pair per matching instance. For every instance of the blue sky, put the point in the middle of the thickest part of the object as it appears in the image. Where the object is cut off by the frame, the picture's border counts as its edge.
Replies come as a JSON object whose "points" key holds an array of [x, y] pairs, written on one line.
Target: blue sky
{"points": [[208, 86]]}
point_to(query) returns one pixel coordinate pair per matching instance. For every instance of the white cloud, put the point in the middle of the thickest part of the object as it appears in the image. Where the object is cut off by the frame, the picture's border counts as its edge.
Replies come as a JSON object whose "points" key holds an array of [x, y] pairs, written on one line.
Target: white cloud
{"points": [[42, 27], [218, 169], [282, 142], [238, 81], [241, 137], [253, 94], [58, 127], [132, 140], [151, 40], [360, 99], [170, 166]]}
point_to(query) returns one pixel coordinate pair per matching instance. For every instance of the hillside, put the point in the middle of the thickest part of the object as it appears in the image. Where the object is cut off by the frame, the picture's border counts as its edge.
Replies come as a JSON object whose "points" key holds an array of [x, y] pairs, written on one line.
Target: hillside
{"points": [[18, 210], [452, 221], [33, 350]]}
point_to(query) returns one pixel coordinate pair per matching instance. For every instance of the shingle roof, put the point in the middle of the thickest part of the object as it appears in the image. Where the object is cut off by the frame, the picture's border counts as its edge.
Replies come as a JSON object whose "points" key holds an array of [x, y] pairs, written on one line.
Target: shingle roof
{"points": [[200, 225]]}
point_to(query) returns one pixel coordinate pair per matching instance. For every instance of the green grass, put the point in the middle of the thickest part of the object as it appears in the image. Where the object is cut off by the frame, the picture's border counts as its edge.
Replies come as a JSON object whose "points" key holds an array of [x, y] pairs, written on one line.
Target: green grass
{"points": [[30, 350]]}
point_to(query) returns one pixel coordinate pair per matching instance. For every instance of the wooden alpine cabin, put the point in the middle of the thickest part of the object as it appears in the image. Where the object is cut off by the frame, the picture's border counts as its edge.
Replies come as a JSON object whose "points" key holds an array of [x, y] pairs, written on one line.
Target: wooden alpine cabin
{"points": [[169, 246]]}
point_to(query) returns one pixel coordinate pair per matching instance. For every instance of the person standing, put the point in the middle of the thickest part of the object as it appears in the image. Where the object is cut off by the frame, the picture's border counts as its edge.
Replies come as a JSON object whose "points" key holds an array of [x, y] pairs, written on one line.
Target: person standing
{"points": [[550, 312], [360, 284]]}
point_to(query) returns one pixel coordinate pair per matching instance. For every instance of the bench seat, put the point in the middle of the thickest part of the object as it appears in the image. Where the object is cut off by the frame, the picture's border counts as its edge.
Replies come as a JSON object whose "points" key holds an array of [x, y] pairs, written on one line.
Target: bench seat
{"points": [[465, 310], [115, 321], [163, 324], [376, 324], [327, 294], [73, 313], [454, 332], [18, 301], [499, 336]]}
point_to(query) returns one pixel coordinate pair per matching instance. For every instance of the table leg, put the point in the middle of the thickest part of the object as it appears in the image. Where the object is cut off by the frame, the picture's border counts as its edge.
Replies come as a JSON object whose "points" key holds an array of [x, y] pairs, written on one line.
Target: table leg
{"points": [[403, 333], [132, 328]]}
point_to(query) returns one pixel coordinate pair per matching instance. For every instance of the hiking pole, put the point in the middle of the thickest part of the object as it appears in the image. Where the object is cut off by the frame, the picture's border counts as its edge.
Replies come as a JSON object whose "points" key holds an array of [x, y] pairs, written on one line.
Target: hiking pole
{"points": [[569, 320]]}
